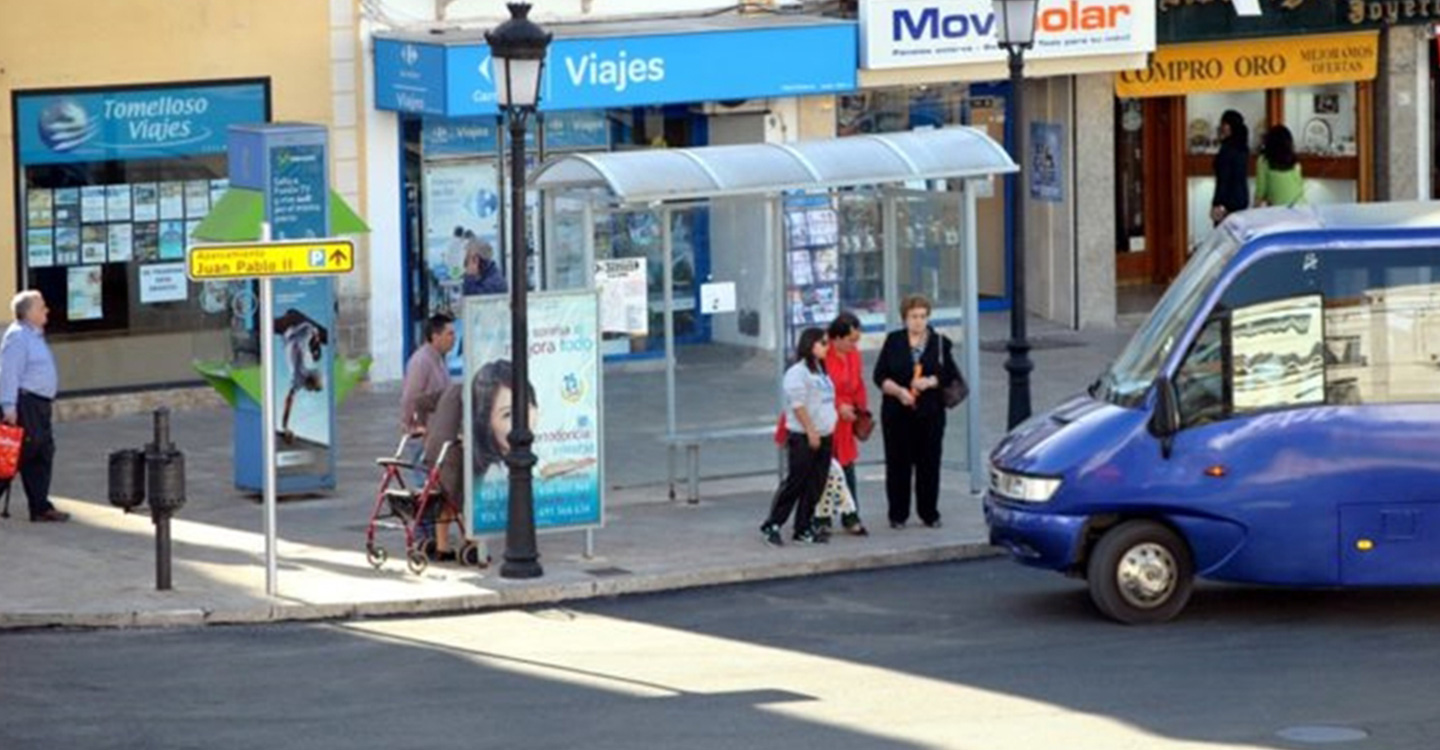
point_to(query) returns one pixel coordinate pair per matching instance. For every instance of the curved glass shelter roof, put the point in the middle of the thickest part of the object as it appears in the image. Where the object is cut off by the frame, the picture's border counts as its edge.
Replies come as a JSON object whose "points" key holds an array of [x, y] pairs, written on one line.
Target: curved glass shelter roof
{"points": [[653, 175]]}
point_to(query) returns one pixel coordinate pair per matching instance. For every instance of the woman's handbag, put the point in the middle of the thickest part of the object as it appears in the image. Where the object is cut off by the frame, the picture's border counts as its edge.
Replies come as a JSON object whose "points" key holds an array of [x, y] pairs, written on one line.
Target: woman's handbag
{"points": [[864, 424], [956, 389]]}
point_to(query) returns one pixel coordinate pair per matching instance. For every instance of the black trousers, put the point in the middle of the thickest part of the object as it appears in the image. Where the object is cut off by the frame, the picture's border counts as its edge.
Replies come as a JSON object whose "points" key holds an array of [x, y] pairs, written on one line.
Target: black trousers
{"points": [[37, 452], [913, 441], [804, 482]]}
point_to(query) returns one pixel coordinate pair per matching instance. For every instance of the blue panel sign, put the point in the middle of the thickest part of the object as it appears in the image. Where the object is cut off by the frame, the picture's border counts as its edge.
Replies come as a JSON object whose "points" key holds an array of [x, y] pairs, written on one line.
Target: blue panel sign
{"points": [[644, 70], [298, 200], [409, 77], [126, 124], [477, 136]]}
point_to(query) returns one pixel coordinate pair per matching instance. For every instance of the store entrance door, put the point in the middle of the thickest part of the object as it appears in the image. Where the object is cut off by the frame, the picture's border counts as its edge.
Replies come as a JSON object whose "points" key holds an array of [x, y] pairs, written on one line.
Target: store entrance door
{"points": [[1149, 185]]}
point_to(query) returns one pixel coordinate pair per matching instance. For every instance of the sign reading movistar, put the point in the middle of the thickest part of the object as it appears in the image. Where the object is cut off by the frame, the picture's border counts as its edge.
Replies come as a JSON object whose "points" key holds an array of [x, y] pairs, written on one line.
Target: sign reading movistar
{"points": [[126, 124], [595, 73]]}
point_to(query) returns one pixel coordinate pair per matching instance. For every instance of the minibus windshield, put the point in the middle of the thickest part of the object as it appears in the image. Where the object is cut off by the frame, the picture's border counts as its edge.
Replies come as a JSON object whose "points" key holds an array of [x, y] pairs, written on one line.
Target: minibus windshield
{"points": [[1127, 379]]}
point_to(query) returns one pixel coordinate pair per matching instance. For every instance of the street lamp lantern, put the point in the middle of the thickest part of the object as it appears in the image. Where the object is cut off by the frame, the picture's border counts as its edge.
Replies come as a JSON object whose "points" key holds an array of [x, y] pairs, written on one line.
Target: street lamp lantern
{"points": [[517, 58], [1015, 23], [517, 54], [1015, 32]]}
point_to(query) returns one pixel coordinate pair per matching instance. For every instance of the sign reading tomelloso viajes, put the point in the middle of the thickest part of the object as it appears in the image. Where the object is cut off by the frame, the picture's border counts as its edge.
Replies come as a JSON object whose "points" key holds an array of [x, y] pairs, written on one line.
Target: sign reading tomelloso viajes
{"points": [[915, 33], [454, 79], [151, 122]]}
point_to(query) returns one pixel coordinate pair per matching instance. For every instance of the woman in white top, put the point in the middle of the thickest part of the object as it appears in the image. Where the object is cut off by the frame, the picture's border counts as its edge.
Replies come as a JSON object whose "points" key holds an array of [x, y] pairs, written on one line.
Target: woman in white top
{"points": [[810, 418]]}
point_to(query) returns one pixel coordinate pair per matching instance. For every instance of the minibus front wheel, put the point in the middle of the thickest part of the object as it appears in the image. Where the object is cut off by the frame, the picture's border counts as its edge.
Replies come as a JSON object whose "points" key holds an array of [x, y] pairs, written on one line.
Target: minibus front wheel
{"points": [[1140, 572]]}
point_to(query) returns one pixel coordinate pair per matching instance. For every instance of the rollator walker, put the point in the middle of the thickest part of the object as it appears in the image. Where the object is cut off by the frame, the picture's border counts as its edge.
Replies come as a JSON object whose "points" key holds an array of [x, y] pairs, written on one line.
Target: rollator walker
{"points": [[417, 508]]}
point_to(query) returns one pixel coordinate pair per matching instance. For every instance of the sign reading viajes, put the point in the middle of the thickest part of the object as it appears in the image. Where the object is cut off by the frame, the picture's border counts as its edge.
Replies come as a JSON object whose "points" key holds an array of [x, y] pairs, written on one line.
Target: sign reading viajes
{"points": [[565, 418], [914, 33]]}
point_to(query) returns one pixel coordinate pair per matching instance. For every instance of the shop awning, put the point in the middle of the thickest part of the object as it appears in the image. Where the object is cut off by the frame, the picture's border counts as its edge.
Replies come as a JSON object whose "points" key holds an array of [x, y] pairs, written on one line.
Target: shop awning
{"points": [[717, 171], [236, 217]]}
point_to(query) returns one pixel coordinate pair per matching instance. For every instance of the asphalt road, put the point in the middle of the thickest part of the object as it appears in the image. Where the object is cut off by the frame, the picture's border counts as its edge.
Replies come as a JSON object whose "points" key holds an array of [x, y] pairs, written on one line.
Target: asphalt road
{"points": [[968, 655]]}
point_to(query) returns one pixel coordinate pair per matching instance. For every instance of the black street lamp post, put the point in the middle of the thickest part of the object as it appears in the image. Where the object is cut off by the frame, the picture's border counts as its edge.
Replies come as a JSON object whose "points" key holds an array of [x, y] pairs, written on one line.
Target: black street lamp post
{"points": [[1015, 32], [517, 56]]}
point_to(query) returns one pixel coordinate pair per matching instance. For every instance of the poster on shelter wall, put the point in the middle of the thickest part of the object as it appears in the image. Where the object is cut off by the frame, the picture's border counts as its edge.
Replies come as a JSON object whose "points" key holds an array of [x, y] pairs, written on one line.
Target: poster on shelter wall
{"points": [[564, 413], [624, 296], [1046, 158]]}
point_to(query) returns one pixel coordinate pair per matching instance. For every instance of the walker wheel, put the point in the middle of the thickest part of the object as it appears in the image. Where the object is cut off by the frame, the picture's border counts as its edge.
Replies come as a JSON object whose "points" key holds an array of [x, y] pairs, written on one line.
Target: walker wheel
{"points": [[376, 556], [470, 555], [416, 562]]}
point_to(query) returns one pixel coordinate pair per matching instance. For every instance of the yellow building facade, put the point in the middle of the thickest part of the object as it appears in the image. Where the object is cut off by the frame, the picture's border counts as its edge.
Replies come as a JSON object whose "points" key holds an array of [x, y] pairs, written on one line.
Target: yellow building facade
{"points": [[282, 48]]}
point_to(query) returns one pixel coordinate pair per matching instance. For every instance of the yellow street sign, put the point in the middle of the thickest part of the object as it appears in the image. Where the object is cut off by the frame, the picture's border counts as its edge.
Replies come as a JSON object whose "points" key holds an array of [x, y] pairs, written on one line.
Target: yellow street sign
{"points": [[318, 257]]}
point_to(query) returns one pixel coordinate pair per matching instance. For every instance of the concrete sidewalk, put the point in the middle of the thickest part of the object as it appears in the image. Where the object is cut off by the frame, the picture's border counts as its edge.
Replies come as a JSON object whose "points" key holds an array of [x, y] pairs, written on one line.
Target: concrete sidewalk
{"points": [[99, 569]]}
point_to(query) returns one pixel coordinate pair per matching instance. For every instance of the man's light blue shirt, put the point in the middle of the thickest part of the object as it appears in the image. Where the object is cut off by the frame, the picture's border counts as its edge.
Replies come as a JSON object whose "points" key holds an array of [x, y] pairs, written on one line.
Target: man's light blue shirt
{"points": [[25, 364]]}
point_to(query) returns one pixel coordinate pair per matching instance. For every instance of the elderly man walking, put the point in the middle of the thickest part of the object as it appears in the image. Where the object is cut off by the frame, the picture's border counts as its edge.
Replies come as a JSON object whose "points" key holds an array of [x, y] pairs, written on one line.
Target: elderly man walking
{"points": [[28, 382]]}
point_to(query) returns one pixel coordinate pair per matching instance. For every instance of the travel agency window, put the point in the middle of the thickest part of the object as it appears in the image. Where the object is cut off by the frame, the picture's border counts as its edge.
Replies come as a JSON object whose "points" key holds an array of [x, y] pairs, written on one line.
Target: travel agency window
{"points": [[111, 182]]}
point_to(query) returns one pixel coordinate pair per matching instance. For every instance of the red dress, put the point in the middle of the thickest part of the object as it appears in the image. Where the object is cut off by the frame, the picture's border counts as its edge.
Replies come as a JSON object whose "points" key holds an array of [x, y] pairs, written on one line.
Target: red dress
{"points": [[845, 372]]}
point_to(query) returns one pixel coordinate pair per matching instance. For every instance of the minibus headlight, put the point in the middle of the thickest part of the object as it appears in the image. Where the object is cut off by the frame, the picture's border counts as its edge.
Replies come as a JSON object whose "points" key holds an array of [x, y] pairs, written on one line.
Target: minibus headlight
{"points": [[1024, 488]]}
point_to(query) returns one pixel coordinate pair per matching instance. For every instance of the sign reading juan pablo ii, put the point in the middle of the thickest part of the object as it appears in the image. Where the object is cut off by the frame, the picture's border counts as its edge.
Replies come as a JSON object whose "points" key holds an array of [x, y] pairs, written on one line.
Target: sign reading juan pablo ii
{"points": [[915, 33]]}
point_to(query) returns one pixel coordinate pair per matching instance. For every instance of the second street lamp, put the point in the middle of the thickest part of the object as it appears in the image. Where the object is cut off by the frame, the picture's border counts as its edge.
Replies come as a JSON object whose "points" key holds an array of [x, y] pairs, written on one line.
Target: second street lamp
{"points": [[517, 57], [1015, 32]]}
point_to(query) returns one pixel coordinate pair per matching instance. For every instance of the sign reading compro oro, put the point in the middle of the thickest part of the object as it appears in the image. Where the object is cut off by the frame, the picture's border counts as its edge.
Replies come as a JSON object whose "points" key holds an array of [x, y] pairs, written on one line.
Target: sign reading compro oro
{"points": [[255, 260], [1180, 69]]}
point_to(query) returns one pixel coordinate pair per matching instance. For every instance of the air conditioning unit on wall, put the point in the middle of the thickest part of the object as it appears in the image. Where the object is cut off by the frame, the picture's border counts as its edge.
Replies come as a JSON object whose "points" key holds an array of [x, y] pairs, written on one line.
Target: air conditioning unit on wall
{"points": [[736, 107]]}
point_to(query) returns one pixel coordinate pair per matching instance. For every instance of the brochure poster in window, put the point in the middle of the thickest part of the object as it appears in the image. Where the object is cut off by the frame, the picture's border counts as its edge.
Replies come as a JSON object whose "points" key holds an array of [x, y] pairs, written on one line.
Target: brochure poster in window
{"points": [[147, 242], [117, 203], [39, 208], [67, 245], [39, 247], [827, 265], [172, 240], [92, 244], [83, 296], [172, 200], [92, 204], [67, 207], [197, 199], [120, 242], [146, 200]]}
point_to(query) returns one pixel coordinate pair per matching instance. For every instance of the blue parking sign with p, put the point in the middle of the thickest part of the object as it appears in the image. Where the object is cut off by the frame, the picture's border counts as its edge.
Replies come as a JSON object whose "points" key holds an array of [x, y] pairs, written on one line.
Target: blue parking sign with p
{"points": [[317, 258]]}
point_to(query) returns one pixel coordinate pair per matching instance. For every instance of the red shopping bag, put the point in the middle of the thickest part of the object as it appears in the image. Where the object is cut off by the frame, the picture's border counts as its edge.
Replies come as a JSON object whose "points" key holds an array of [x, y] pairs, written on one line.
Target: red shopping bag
{"points": [[11, 436]]}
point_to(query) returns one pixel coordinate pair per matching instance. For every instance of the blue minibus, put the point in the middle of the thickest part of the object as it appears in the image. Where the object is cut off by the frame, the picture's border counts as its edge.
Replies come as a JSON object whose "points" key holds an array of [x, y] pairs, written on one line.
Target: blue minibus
{"points": [[1276, 420]]}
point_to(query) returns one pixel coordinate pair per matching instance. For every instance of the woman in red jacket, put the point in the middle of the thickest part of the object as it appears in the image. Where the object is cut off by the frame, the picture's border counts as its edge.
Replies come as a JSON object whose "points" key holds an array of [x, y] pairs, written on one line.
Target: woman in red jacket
{"points": [[847, 373]]}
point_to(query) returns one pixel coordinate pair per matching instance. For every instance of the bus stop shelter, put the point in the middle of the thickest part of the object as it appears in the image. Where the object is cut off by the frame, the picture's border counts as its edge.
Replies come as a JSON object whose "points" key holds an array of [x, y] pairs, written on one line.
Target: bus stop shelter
{"points": [[947, 165]]}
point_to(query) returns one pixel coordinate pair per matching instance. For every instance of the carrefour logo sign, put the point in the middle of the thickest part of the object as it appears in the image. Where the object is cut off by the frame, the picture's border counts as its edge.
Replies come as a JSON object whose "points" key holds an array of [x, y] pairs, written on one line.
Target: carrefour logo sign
{"points": [[902, 33]]}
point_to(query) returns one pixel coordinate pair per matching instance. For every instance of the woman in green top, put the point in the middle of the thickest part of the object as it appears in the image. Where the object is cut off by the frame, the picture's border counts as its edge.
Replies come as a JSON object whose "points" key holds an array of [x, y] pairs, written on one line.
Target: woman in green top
{"points": [[1278, 181]]}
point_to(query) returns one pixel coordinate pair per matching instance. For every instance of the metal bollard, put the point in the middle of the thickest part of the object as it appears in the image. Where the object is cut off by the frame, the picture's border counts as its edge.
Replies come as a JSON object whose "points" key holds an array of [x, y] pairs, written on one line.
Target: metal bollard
{"points": [[165, 478]]}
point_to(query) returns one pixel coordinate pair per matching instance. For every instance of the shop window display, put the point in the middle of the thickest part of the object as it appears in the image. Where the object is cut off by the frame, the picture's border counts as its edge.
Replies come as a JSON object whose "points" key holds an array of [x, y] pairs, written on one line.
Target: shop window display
{"points": [[1322, 119], [110, 202]]}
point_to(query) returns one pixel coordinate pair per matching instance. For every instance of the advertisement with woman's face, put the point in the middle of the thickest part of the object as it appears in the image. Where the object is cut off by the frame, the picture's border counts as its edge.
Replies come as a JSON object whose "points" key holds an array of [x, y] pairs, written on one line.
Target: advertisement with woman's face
{"points": [[562, 410]]}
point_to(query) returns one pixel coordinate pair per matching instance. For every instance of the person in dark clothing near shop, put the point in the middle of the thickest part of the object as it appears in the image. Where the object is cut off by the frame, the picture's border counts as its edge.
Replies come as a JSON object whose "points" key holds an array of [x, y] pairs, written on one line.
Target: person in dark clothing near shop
{"points": [[1232, 168], [910, 370], [28, 382]]}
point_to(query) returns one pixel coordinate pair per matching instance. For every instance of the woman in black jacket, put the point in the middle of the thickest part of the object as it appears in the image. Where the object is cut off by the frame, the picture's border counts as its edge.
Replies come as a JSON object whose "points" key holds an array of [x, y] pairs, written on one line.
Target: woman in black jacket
{"points": [[910, 372], [1232, 168]]}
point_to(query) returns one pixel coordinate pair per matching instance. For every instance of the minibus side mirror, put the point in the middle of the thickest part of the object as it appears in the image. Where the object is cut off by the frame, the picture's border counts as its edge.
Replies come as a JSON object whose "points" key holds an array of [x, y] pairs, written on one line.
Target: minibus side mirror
{"points": [[1165, 422]]}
